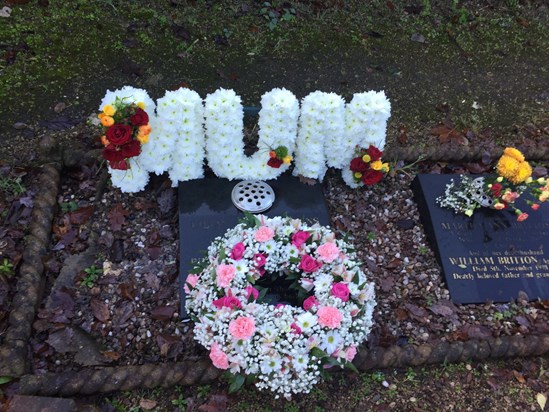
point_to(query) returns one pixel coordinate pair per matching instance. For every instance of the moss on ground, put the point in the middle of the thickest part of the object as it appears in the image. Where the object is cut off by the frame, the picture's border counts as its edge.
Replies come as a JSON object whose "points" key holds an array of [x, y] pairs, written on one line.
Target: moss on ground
{"points": [[495, 57]]}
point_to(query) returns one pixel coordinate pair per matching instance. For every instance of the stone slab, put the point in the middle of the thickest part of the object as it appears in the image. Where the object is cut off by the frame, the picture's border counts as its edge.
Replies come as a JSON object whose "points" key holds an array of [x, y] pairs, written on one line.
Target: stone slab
{"points": [[206, 211], [21, 403], [489, 256]]}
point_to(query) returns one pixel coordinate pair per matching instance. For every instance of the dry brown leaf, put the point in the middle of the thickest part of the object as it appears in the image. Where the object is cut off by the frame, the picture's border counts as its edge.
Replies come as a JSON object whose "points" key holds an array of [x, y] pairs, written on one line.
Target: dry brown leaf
{"points": [[100, 310], [519, 377], [147, 404]]}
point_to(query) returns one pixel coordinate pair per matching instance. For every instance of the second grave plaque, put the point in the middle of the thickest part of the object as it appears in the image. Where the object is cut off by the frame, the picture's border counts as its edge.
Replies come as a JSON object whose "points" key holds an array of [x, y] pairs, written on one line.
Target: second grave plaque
{"points": [[489, 256]]}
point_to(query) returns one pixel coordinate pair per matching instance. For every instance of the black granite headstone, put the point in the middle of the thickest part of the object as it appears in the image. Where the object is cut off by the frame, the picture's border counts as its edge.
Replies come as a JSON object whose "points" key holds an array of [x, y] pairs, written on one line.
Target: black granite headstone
{"points": [[489, 256], [206, 211]]}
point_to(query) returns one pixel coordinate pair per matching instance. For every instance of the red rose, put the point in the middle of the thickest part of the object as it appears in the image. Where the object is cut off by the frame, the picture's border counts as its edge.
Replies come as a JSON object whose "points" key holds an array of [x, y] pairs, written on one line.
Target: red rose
{"points": [[274, 162], [496, 189], [374, 152], [358, 165], [119, 134], [119, 165], [111, 153], [139, 118], [131, 149], [308, 264], [371, 177]]}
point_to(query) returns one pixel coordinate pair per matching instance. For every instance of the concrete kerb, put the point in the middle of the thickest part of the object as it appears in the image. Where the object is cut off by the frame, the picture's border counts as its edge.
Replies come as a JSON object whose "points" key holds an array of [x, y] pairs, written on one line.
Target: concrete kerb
{"points": [[14, 354]]}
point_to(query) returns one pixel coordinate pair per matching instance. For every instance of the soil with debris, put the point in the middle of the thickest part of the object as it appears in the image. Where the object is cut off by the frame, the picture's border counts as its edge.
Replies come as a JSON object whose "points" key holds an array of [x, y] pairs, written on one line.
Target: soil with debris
{"points": [[113, 296]]}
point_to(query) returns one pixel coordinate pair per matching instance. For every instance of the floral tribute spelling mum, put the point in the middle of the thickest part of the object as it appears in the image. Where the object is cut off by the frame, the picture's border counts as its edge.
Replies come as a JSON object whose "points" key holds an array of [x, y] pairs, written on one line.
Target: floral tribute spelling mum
{"points": [[514, 178], [282, 345]]}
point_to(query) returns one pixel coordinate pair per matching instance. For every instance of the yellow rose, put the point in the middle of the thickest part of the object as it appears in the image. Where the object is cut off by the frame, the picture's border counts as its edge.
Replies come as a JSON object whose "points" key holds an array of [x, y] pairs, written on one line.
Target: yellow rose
{"points": [[109, 110], [514, 153], [143, 138], [377, 165], [357, 175], [141, 105], [366, 158], [287, 160], [107, 121]]}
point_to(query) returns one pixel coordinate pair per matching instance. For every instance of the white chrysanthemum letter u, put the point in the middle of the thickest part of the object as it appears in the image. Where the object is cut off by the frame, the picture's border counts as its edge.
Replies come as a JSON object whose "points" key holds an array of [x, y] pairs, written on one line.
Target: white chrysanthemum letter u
{"points": [[224, 131]]}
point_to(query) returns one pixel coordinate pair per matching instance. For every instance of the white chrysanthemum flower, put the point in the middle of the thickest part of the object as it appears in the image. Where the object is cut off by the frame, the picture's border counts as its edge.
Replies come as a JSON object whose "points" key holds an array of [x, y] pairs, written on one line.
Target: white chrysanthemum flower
{"points": [[331, 342], [306, 321]]}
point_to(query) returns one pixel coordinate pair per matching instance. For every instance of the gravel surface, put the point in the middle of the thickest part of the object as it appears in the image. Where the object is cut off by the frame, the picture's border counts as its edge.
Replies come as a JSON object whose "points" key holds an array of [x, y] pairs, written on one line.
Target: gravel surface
{"points": [[129, 314]]}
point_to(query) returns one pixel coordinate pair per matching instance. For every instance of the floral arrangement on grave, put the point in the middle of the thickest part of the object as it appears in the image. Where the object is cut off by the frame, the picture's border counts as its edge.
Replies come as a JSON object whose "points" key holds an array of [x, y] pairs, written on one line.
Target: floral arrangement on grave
{"points": [[514, 178], [366, 168], [126, 128], [278, 157], [277, 301]]}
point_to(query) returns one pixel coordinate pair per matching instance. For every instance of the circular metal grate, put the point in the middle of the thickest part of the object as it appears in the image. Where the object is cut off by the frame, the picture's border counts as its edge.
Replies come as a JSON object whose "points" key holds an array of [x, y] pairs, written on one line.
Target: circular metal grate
{"points": [[253, 196]]}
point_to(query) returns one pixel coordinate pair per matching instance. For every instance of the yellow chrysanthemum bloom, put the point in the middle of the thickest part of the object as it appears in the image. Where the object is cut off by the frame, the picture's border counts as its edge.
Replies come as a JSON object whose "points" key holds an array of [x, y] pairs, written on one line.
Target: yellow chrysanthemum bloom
{"points": [[366, 158], [377, 165], [507, 167], [385, 167], [524, 172], [357, 175], [143, 138], [514, 153], [141, 105], [109, 110], [287, 160], [107, 121]]}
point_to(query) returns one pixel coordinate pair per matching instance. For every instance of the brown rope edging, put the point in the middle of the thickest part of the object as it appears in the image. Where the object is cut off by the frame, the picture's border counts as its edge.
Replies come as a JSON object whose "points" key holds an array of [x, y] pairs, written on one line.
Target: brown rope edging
{"points": [[110, 379], [14, 357]]}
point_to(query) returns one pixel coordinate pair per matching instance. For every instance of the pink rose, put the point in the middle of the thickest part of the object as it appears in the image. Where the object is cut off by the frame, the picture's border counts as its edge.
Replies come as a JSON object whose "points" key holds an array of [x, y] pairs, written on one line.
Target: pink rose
{"points": [[328, 252], [308, 264], [535, 206], [225, 274], [259, 260], [295, 329], [218, 357], [242, 327], [250, 290], [264, 234], [329, 317], [238, 251], [310, 302], [228, 302], [341, 291], [299, 238], [350, 353], [191, 280]]}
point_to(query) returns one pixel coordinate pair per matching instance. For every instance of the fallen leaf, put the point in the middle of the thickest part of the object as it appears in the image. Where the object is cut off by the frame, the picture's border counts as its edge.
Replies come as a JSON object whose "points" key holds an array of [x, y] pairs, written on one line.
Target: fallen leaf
{"points": [[127, 290], [478, 332], [100, 310], [395, 263], [81, 215], [216, 403], [59, 107], [401, 314], [542, 399], [166, 201], [122, 315], [60, 123], [523, 22], [441, 310], [147, 404], [20, 126], [154, 252], [60, 339], [416, 312], [519, 377], [163, 313], [117, 216], [387, 283]]}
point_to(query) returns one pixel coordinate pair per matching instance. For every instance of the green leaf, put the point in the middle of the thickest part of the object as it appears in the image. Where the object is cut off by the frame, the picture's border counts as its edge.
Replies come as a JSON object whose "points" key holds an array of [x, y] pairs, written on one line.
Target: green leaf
{"points": [[236, 383], [250, 279], [5, 379], [317, 352], [250, 221], [351, 366], [222, 254], [262, 293]]}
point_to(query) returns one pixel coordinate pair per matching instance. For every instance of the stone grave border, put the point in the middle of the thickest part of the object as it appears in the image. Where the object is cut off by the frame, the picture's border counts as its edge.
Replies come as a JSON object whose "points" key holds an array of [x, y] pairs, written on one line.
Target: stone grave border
{"points": [[15, 351]]}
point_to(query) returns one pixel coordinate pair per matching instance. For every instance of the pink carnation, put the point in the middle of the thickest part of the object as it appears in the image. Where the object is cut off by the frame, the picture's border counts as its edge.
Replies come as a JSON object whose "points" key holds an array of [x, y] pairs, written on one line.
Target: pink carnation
{"points": [[191, 280], [328, 252], [218, 357], [225, 274], [329, 317], [242, 327], [295, 329], [227, 301], [299, 238], [350, 353], [310, 302], [238, 251], [264, 234]]}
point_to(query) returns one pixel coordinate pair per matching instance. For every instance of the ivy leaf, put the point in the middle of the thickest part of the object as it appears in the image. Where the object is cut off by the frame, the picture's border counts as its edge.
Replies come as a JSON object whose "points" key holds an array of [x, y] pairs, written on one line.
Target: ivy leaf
{"points": [[236, 383]]}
